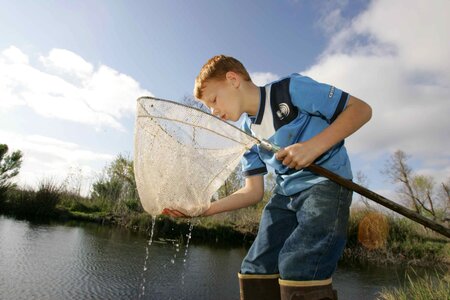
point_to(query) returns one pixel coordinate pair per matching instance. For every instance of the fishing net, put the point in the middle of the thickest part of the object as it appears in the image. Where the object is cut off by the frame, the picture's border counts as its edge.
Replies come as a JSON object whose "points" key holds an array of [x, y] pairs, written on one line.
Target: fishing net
{"points": [[182, 155]]}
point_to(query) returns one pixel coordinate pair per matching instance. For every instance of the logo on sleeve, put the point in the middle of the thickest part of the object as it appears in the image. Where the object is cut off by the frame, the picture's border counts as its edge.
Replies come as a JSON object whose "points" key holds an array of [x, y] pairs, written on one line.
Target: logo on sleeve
{"points": [[284, 111], [331, 93]]}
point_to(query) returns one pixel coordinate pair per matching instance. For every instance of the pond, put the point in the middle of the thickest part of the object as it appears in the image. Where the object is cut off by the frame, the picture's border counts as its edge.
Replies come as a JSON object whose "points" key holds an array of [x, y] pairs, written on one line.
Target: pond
{"points": [[89, 261]]}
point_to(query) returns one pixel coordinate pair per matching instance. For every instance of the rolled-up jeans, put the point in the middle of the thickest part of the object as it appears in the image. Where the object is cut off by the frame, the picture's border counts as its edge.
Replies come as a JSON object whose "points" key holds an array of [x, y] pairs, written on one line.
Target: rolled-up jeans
{"points": [[301, 237]]}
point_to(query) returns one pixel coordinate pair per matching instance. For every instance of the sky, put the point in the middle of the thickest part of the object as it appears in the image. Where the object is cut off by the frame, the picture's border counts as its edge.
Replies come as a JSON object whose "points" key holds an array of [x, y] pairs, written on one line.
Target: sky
{"points": [[71, 71]]}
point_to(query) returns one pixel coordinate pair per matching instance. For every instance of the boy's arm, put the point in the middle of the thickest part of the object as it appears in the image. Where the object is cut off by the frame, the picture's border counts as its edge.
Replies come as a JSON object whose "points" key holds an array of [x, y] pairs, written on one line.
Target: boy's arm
{"points": [[301, 155], [250, 194]]}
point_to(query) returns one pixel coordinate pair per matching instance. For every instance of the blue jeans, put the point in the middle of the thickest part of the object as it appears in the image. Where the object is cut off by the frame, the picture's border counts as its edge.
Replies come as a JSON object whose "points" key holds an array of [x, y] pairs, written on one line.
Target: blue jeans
{"points": [[302, 236]]}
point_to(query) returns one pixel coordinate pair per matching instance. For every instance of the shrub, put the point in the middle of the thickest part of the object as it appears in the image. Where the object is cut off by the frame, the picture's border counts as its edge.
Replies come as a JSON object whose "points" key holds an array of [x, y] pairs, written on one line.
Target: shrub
{"points": [[35, 204]]}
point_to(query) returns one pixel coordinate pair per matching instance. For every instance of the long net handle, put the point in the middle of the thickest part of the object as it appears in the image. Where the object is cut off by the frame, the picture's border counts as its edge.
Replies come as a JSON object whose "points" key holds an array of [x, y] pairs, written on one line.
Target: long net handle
{"points": [[381, 200], [369, 194]]}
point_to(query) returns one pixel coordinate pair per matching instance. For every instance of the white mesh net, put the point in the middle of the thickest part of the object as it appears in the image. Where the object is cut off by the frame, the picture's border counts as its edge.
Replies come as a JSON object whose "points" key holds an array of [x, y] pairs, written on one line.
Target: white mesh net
{"points": [[182, 155]]}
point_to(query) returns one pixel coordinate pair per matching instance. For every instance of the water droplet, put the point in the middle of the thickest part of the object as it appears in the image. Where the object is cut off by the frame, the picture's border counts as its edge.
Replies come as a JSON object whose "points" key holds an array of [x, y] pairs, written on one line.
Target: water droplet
{"points": [[149, 243]]}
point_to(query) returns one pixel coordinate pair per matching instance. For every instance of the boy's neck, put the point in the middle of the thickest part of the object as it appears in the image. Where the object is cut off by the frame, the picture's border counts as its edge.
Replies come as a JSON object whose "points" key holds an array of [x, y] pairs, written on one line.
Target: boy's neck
{"points": [[251, 98]]}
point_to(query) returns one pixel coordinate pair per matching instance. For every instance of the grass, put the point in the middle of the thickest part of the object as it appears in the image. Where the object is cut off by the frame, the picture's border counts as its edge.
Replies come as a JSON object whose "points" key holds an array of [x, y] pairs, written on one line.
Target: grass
{"points": [[422, 288]]}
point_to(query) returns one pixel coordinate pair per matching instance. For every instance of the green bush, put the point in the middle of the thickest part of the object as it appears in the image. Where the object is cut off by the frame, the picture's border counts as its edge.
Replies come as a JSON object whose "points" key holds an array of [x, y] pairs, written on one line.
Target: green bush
{"points": [[107, 189], [133, 205], [35, 204], [3, 197], [19, 202], [46, 198], [77, 203]]}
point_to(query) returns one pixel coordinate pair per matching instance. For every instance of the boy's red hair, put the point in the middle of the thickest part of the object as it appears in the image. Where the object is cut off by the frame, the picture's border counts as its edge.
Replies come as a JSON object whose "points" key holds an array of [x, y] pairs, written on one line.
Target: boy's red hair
{"points": [[215, 69]]}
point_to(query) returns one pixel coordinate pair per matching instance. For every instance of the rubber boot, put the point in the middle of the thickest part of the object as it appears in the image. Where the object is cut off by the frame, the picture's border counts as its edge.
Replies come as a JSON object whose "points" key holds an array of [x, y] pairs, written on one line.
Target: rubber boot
{"points": [[259, 287], [307, 290]]}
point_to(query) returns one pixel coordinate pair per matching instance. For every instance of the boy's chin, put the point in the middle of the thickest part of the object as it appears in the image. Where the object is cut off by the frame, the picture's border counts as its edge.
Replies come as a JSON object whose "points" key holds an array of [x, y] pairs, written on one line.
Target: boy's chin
{"points": [[233, 118]]}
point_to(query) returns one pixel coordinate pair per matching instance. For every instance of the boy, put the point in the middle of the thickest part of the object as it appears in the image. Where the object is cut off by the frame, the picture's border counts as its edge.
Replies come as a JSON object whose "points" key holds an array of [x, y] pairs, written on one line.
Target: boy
{"points": [[303, 227]]}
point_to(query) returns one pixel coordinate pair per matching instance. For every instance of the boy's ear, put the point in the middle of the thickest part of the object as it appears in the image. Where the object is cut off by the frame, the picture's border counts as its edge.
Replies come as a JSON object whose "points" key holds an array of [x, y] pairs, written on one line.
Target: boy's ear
{"points": [[233, 78]]}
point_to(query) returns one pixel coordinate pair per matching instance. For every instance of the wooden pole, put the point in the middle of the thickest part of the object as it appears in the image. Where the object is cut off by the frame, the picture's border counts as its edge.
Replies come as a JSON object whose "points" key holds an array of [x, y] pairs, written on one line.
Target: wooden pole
{"points": [[381, 200]]}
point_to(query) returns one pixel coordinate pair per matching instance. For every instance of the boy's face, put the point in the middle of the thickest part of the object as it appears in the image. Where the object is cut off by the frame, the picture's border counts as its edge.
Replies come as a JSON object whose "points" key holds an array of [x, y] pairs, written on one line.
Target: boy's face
{"points": [[222, 97]]}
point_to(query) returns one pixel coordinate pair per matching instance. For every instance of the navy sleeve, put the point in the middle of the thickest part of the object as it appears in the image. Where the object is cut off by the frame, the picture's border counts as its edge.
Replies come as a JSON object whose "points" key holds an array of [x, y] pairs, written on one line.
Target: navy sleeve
{"points": [[252, 163]]}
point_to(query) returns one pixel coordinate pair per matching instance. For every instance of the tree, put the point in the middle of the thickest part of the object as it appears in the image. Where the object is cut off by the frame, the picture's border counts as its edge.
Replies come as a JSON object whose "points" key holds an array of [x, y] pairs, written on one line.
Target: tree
{"points": [[424, 186], [363, 181], [419, 191], [122, 169], [444, 197], [118, 185], [232, 184], [9, 168]]}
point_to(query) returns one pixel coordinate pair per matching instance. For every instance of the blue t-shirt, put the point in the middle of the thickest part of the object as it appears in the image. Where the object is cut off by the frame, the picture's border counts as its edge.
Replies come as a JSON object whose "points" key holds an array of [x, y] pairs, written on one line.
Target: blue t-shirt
{"points": [[292, 110]]}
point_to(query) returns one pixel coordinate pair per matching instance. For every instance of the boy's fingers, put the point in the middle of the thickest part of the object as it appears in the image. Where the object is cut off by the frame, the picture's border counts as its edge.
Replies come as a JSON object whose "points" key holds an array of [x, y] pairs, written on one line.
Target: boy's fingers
{"points": [[168, 212], [281, 154], [173, 213], [178, 213], [292, 165], [287, 161]]}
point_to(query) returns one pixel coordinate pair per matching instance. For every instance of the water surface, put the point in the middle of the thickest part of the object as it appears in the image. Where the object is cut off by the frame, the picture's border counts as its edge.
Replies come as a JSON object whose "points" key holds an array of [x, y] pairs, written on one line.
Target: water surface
{"points": [[89, 261]]}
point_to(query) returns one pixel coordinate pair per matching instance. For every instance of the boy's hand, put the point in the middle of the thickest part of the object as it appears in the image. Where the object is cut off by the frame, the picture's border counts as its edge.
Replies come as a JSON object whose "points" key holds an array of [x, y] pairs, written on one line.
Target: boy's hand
{"points": [[174, 213], [298, 156], [178, 214]]}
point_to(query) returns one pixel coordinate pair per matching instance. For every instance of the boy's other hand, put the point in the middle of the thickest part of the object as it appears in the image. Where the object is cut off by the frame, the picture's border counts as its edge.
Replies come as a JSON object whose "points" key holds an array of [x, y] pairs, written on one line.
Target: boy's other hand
{"points": [[178, 214], [298, 156], [174, 213]]}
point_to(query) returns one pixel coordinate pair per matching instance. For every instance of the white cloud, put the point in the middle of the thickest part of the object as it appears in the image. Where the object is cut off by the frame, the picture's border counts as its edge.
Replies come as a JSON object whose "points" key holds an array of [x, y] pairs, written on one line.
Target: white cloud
{"points": [[65, 61], [420, 35], [62, 85], [14, 55], [262, 78], [401, 67], [332, 19], [49, 158], [388, 194], [67, 87]]}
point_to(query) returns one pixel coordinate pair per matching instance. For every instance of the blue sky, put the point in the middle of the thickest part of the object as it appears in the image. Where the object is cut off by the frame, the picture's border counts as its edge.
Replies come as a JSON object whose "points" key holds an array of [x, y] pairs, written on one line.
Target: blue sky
{"points": [[162, 44], [72, 71]]}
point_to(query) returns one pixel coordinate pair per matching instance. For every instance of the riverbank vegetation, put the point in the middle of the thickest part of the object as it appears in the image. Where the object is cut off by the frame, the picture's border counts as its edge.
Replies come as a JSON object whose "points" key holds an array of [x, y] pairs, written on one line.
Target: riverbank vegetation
{"points": [[114, 200], [420, 288]]}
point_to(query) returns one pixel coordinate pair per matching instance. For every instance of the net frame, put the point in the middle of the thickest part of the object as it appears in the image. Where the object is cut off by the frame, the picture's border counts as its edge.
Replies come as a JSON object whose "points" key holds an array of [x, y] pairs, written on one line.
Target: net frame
{"points": [[169, 125]]}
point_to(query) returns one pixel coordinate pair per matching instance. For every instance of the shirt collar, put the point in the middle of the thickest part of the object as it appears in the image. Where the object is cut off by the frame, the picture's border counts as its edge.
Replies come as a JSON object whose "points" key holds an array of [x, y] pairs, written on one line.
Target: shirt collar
{"points": [[262, 103]]}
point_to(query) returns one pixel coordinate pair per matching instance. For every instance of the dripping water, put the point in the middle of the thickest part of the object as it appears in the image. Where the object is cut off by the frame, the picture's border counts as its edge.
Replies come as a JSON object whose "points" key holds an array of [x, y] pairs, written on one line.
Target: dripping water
{"points": [[189, 235], [149, 243]]}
